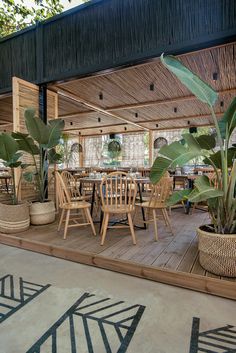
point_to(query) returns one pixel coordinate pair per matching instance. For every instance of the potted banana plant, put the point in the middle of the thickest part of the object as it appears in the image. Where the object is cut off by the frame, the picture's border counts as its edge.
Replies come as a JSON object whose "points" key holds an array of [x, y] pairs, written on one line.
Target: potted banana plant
{"points": [[14, 215], [217, 240], [40, 143]]}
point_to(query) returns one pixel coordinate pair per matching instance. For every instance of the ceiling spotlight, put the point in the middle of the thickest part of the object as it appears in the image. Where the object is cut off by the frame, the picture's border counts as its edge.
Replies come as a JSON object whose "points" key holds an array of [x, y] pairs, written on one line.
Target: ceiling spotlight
{"points": [[136, 115], [101, 96], [99, 120], [222, 103], [175, 109], [215, 76], [157, 125], [152, 87], [71, 123]]}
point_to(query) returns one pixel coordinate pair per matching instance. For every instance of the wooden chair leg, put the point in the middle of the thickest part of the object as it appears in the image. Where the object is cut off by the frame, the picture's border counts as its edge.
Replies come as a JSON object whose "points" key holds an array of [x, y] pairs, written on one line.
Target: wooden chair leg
{"points": [[105, 224], [164, 216], [168, 221], [90, 220], [155, 224], [61, 219], [67, 223], [131, 228]]}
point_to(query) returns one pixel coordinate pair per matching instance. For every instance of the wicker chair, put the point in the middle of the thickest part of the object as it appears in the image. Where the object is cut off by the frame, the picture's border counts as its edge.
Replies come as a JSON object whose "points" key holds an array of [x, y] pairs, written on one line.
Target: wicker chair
{"points": [[157, 201], [118, 192], [66, 204]]}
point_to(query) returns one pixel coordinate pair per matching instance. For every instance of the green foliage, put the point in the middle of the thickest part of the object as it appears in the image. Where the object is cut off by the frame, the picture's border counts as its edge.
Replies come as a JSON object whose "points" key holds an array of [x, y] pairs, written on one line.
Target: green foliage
{"points": [[40, 143], [220, 193], [11, 158], [18, 14], [114, 149]]}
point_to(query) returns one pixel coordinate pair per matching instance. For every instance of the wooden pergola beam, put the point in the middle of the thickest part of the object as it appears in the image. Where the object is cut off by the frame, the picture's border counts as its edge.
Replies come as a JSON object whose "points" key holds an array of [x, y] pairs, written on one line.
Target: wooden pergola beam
{"points": [[176, 118], [141, 105], [76, 98], [93, 127], [161, 102], [181, 127]]}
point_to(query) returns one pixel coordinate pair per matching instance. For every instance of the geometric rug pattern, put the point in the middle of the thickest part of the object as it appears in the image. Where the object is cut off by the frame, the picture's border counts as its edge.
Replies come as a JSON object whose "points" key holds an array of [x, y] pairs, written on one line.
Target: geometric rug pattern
{"points": [[15, 293], [92, 324], [218, 340]]}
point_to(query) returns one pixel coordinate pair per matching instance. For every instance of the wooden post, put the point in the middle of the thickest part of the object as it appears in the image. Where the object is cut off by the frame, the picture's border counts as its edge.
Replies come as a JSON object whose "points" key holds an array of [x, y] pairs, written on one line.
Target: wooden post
{"points": [[81, 155], [16, 127], [150, 148]]}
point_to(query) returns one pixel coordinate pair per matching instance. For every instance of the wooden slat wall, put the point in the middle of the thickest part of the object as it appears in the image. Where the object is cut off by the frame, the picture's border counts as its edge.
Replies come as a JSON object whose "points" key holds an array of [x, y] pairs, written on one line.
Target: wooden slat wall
{"points": [[25, 95]]}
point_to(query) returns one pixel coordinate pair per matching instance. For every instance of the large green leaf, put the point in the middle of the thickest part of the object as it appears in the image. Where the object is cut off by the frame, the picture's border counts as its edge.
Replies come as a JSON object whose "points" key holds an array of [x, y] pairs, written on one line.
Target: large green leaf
{"points": [[228, 122], [204, 190], [207, 142], [36, 128], [26, 143], [171, 156], [8, 147], [198, 87], [216, 158], [56, 127], [54, 157], [178, 196]]}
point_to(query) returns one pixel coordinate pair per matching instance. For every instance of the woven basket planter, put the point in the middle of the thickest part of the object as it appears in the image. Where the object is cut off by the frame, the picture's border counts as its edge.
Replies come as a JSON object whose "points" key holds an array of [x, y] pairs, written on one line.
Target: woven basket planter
{"points": [[14, 218], [42, 213], [217, 252]]}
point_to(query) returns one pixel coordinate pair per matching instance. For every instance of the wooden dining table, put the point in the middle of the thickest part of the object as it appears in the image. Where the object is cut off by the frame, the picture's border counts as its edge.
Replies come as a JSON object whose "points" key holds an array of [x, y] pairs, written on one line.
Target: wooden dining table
{"points": [[96, 182]]}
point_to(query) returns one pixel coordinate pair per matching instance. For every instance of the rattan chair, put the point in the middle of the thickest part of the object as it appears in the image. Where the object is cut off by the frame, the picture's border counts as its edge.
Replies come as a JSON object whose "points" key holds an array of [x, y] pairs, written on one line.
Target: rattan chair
{"points": [[118, 192], [66, 204], [157, 201]]}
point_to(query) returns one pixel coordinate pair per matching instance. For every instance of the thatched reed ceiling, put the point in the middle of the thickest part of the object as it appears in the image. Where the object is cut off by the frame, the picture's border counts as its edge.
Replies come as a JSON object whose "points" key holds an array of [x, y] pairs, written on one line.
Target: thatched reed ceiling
{"points": [[128, 104], [127, 95]]}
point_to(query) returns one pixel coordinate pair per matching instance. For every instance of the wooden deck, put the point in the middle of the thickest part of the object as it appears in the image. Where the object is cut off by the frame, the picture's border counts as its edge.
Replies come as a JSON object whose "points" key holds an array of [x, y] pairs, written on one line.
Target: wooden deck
{"points": [[172, 260]]}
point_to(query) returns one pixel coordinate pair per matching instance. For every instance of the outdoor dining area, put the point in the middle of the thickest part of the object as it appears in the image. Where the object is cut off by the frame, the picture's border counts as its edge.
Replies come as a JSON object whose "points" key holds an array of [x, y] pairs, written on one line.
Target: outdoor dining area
{"points": [[130, 164]]}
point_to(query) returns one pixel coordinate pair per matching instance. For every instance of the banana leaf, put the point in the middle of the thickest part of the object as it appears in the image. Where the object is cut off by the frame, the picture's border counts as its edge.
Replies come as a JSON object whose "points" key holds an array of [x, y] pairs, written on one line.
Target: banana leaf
{"points": [[216, 158], [26, 143], [204, 190], [228, 123], [199, 88], [173, 155], [8, 147], [36, 128], [178, 196]]}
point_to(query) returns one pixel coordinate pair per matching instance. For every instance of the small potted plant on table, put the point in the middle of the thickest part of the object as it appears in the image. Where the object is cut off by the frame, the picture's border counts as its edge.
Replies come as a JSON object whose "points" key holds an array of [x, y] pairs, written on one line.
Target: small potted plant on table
{"points": [[14, 215], [40, 143], [217, 241]]}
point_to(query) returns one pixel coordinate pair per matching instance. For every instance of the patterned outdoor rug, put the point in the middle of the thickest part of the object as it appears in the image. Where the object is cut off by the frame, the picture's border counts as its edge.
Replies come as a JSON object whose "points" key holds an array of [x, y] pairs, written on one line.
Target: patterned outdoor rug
{"points": [[43, 310]]}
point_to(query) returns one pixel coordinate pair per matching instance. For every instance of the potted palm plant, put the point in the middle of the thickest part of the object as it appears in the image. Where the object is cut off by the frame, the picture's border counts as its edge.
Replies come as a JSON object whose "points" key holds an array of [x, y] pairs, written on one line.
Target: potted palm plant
{"points": [[14, 215], [217, 240], [40, 143]]}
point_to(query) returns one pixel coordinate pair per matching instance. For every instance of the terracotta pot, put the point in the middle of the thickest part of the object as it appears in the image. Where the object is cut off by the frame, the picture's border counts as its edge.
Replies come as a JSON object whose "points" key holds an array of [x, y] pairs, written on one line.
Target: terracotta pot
{"points": [[42, 212], [14, 218], [217, 252]]}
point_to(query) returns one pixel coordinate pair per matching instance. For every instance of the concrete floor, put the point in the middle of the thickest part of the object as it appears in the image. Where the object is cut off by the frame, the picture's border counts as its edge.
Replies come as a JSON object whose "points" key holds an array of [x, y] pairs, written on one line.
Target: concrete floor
{"points": [[125, 314]]}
